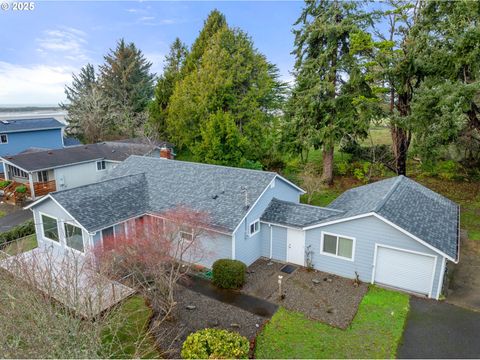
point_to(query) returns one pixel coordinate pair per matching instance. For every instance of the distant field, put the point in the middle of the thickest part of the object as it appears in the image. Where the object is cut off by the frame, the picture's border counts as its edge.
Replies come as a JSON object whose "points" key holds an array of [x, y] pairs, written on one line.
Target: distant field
{"points": [[379, 135]]}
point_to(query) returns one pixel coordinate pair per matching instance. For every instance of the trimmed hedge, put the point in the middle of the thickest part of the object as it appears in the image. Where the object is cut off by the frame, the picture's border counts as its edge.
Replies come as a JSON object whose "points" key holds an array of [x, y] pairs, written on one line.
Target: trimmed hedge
{"points": [[215, 344], [19, 231], [228, 274]]}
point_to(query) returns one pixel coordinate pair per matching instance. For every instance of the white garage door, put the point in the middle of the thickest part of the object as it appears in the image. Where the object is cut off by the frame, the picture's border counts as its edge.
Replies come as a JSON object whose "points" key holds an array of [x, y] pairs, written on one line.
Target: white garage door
{"points": [[404, 270]]}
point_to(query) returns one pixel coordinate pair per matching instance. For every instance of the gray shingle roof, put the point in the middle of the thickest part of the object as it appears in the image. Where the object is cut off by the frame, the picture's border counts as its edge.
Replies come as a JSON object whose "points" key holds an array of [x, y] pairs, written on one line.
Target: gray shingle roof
{"points": [[297, 215], [17, 125], [409, 205], [107, 202], [160, 185], [48, 159]]}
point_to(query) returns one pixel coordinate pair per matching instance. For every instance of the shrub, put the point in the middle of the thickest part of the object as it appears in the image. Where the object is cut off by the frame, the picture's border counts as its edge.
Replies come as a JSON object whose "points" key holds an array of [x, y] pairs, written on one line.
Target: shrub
{"points": [[228, 274], [215, 344], [4, 184], [19, 231], [22, 189]]}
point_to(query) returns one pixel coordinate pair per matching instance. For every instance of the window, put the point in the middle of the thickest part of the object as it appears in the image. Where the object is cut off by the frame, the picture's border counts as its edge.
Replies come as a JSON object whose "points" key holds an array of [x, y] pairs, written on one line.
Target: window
{"points": [[339, 246], [43, 176], [74, 237], [50, 229], [19, 173], [101, 165], [186, 234], [3, 139], [254, 227]]}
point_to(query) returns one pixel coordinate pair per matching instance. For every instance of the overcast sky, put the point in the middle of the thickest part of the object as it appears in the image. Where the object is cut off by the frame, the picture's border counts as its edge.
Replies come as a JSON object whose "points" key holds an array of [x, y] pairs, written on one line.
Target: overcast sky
{"points": [[40, 49]]}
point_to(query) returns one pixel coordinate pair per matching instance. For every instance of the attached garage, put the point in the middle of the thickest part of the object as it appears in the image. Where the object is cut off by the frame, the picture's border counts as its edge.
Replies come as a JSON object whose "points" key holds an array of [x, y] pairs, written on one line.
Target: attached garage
{"points": [[404, 269]]}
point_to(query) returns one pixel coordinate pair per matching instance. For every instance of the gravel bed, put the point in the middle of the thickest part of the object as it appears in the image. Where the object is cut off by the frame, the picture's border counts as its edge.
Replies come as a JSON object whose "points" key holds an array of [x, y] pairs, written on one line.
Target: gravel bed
{"points": [[208, 313], [328, 298]]}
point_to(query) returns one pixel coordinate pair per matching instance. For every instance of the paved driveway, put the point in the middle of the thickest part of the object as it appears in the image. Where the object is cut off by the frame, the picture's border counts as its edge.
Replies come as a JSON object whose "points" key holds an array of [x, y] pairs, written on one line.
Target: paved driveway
{"points": [[440, 330]]}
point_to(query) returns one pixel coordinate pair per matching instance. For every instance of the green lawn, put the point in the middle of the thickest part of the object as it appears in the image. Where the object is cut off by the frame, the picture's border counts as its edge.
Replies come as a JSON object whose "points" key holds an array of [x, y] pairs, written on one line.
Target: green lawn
{"points": [[374, 333], [126, 336], [19, 246]]}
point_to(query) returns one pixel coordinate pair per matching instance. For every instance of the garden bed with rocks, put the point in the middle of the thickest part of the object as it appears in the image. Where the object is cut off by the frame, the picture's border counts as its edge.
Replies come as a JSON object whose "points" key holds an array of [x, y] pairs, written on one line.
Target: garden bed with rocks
{"points": [[320, 296], [194, 312]]}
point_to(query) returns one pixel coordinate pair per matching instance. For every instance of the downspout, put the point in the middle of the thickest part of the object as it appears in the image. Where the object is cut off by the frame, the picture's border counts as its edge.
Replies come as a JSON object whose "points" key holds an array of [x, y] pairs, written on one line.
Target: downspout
{"points": [[271, 239]]}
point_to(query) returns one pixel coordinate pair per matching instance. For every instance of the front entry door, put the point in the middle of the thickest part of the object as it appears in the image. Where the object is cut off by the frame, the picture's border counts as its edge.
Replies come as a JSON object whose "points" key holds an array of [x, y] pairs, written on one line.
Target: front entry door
{"points": [[296, 246]]}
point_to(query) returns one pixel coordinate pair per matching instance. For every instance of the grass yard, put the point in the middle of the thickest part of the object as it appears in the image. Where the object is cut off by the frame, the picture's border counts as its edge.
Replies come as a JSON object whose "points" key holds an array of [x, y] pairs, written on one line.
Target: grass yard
{"points": [[375, 331], [18, 246], [126, 336]]}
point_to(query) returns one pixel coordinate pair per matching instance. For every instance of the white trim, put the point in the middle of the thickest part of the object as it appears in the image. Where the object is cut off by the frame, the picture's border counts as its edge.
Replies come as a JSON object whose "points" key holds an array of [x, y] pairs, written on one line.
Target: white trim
{"points": [[253, 205], [271, 240], [377, 245], [32, 130], [65, 233], [281, 225], [233, 246], [354, 242], [291, 184], [414, 237], [440, 278], [338, 221], [58, 242], [250, 234], [387, 222]]}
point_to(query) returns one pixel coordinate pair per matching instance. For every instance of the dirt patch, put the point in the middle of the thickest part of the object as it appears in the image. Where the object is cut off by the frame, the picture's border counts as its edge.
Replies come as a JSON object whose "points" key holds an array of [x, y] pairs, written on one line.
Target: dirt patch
{"points": [[320, 296], [464, 286], [208, 313]]}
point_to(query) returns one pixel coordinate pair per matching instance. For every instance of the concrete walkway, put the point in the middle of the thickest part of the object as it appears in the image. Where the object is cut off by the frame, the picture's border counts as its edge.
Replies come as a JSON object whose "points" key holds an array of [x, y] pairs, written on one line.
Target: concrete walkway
{"points": [[437, 330], [246, 302], [14, 218]]}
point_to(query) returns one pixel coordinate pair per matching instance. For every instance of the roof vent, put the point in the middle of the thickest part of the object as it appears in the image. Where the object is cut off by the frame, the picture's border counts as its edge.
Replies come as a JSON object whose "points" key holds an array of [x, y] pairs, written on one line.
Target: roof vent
{"points": [[215, 197], [49, 153], [6, 122]]}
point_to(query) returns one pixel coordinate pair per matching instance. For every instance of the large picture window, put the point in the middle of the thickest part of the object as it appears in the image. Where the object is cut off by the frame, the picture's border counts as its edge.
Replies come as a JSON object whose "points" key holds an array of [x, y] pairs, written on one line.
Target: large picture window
{"points": [[337, 245], [50, 229], [74, 237]]}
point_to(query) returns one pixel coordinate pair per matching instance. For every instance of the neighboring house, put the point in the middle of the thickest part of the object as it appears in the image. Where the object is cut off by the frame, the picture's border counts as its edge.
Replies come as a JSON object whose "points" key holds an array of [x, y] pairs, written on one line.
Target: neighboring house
{"points": [[393, 232], [21, 134], [50, 170]]}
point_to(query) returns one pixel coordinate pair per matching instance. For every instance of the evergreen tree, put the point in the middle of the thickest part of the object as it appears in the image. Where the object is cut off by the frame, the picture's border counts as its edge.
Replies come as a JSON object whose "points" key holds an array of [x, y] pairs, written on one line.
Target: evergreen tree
{"points": [[329, 80], [233, 78], [172, 70], [82, 87], [447, 107], [126, 79]]}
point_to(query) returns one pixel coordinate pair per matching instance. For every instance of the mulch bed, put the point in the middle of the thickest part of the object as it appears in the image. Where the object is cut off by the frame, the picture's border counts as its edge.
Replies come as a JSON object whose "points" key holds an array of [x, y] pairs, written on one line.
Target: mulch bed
{"points": [[208, 313], [331, 299]]}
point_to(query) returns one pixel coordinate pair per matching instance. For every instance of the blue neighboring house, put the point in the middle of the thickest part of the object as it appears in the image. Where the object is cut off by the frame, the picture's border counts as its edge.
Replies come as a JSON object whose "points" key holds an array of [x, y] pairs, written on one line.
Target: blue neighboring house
{"points": [[18, 135], [394, 232]]}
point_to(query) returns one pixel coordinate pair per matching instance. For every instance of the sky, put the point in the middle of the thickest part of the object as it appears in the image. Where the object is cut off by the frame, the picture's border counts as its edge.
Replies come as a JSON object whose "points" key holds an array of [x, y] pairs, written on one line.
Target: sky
{"points": [[41, 48]]}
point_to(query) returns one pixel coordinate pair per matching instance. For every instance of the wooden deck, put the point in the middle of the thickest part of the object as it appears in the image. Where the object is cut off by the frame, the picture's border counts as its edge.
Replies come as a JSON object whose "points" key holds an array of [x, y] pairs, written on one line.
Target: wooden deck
{"points": [[10, 195], [67, 278]]}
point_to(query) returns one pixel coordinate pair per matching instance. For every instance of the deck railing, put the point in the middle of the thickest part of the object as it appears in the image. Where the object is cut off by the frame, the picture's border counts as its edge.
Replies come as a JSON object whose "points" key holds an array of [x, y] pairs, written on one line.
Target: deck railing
{"points": [[43, 188]]}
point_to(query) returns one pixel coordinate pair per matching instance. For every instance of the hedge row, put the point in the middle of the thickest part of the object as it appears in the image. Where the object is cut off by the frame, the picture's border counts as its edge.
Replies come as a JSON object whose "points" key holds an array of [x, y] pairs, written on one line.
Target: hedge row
{"points": [[19, 231]]}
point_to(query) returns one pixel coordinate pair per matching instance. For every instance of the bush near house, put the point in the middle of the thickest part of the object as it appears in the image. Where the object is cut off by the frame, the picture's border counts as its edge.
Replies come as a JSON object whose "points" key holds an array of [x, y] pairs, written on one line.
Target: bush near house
{"points": [[228, 274], [4, 184], [215, 344], [22, 189], [19, 231]]}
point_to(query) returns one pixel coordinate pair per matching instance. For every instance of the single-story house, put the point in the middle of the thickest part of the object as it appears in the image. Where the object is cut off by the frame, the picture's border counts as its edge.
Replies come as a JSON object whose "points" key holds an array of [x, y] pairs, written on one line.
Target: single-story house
{"points": [[394, 232], [50, 170]]}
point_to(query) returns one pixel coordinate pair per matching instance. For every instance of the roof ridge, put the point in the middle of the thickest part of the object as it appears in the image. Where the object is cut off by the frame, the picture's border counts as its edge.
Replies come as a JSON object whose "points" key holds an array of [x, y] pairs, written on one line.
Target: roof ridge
{"points": [[389, 193], [208, 165], [98, 182], [308, 205]]}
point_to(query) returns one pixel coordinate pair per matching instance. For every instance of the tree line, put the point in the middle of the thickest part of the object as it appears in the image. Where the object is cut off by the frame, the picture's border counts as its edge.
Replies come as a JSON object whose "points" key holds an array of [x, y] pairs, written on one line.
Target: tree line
{"points": [[412, 65]]}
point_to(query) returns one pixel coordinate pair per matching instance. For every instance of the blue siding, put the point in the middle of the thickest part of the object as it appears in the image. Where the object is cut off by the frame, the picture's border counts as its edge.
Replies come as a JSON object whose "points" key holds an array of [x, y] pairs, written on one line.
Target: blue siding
{"points": [[250, 248], [20, 141], [367, 232]]}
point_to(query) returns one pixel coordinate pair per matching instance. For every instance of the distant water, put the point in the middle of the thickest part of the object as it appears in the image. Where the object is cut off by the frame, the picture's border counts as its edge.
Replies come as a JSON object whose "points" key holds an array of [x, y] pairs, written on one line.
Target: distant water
{"points": [[26, 112]]}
